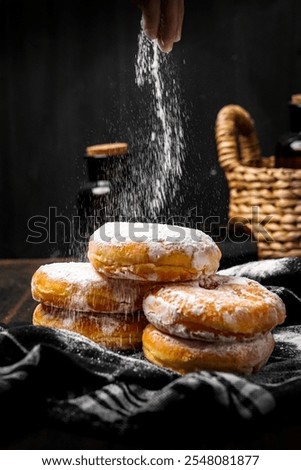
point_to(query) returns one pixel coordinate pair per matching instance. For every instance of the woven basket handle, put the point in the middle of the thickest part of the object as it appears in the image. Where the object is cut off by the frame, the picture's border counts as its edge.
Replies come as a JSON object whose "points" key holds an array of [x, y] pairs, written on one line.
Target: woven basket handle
{"points": [[236, 138]]}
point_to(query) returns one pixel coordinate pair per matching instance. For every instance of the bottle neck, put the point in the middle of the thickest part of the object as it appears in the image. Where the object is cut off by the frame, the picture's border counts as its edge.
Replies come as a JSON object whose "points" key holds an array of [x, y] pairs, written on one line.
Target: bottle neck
{"points": [[295, 117]]}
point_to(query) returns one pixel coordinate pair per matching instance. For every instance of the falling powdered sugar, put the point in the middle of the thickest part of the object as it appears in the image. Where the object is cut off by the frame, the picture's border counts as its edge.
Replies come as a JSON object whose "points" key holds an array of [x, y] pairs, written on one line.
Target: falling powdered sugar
{"points": [[165, 138], [145, 185]]}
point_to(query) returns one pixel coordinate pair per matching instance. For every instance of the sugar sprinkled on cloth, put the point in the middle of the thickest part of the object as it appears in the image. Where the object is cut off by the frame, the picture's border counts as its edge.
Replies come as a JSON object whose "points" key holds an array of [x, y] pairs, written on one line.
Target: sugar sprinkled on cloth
{"points": [[257, 270]]}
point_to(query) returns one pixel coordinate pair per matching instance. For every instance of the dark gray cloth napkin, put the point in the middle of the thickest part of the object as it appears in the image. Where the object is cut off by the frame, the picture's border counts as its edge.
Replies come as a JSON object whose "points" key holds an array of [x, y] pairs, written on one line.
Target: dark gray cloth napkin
{"points": [[62, 378]]}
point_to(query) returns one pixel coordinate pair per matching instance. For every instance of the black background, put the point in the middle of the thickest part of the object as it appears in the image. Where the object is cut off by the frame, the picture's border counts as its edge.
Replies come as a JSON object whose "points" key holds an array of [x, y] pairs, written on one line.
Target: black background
{"points": [[68, 80]]}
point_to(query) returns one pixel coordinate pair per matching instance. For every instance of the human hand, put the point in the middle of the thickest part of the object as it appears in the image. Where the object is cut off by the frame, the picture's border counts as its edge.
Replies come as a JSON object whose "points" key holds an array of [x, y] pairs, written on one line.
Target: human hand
{"points": [[162, 20]]}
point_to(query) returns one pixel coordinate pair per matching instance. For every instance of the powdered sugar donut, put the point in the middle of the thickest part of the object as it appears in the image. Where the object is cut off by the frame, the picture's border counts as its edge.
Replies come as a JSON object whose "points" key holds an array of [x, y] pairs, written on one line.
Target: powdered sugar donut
{"points": [[152, 252], [186, 355], [78, 286], [119, 331], [219, 307]]}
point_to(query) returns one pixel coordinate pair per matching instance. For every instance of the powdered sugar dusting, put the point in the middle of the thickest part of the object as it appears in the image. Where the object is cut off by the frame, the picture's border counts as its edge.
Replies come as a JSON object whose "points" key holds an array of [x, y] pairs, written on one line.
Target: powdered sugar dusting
{"points": [[80, 287], [291, 337], [258, 270], [72, 272], [124, 232], [162, 239], [105, 326], [243, 357], [233, 305], [182, 331]]}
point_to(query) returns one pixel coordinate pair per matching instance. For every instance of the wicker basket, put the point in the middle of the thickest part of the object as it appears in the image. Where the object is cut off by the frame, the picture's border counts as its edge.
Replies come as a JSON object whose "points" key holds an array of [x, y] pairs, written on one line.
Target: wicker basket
{"points": [[264, 199]]}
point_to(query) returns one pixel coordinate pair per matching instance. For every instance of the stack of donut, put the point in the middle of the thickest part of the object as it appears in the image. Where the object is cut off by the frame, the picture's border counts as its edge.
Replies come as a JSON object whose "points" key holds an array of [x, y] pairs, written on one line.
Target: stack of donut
{"points": [[223, 323], [103, 299], [192, 319], [197, 319], [74, 296]]}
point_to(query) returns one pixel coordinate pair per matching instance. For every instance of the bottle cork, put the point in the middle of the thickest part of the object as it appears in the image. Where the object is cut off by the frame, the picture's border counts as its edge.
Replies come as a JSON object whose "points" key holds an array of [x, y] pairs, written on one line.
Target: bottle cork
{"points": [[110, 149], [296, 99]]}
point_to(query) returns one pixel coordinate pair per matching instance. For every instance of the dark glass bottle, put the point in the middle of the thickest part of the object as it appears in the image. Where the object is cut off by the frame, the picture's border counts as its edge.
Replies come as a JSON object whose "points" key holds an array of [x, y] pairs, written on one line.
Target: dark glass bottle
{"points": [[97, 199], [288, 148]]}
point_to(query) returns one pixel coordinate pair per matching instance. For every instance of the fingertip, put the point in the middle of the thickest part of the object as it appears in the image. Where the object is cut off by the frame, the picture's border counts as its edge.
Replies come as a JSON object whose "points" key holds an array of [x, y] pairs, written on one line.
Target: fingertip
{"points": [[165, 46], [150, 33], [180, 20]]}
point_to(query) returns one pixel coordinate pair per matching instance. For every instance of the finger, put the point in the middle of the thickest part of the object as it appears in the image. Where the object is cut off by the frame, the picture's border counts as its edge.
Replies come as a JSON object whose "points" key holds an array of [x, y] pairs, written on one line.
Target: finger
{"points": [[180, 20], [168, 25], [151, 17]]}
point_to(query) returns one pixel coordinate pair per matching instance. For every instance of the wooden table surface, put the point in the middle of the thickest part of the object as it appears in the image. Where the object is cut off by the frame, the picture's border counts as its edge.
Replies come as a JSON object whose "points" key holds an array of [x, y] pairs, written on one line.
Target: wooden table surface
{"points": [[16, 303]]}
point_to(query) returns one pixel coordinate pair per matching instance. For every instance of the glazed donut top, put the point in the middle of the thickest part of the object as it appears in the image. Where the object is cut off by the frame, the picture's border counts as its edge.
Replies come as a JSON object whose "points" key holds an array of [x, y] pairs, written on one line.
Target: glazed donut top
{"points": [[219, 306], [157, 244], [80, 287]]}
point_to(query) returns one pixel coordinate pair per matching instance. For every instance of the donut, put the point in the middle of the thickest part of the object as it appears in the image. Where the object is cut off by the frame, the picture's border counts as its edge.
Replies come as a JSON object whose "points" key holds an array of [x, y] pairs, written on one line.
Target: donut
{"points": [[190, 355], [219, 307], [152, 252], [118, 332], [78, 286]]}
